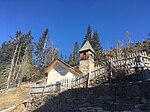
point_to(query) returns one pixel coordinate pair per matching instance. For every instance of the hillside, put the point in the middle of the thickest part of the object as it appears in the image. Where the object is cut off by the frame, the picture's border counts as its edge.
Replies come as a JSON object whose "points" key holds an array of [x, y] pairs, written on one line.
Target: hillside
{"points": [[131, 97], [14, 97]]}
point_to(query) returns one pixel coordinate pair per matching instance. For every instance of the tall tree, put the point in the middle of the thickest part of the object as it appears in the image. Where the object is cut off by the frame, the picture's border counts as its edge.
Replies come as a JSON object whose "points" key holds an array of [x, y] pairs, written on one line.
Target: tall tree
{"points": [[61, 57], [6, 52], [11, 68], [51, 54], [88, 35], [21, 43], [70, 59], [40, 52], [97, 48], [75, 54], [96, 43], [26, 67]]}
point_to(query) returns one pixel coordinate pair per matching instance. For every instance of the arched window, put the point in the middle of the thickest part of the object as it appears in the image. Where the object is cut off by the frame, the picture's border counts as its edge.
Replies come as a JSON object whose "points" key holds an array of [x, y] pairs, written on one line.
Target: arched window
{"points": [[84, 56]]}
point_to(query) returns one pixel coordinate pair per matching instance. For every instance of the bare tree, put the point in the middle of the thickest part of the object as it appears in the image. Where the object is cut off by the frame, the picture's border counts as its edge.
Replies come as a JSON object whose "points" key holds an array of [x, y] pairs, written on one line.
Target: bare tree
{"points": [[118, 65], [52, 54]]}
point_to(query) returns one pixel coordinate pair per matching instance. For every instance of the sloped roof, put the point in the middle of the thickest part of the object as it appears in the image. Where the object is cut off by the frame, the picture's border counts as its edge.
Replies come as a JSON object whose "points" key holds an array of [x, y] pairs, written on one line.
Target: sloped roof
{"points": [[65, 65], [87, 46]]}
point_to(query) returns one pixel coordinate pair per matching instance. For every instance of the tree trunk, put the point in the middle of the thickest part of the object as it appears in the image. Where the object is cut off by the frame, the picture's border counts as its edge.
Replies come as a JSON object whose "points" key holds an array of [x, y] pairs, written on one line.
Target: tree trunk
{"points": [[18, 73], [11, 68], [23, 62], [15, 67], [43, 58]]}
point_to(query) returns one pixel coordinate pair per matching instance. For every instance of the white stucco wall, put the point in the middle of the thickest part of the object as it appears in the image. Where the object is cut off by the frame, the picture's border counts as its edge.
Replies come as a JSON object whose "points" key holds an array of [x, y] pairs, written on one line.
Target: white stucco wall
{"points": [[57, 74]]}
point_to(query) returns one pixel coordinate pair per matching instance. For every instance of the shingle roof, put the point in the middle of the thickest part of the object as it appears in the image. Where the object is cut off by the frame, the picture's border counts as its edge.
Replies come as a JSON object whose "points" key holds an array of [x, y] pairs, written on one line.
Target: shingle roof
{"points": [[87, 46]]}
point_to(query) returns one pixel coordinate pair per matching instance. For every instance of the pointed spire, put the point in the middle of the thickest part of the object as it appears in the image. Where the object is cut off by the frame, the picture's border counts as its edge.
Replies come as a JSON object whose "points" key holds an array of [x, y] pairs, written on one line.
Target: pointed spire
{"points": [[87, 46]]}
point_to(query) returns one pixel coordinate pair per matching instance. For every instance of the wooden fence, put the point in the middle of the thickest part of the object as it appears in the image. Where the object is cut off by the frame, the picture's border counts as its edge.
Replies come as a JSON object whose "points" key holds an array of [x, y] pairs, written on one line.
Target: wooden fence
{"points": [[64, 84], [131, 60], [100, 73], [45, 89], [81, 81]]}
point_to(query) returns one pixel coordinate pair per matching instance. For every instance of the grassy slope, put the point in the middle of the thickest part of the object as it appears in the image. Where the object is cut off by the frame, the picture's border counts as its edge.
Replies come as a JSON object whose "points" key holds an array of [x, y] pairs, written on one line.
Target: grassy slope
{"points": [[14, 96]]}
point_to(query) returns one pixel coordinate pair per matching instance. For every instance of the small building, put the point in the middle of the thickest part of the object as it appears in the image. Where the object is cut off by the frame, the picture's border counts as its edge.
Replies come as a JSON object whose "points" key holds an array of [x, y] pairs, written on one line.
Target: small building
{"points": [[60, 70]]}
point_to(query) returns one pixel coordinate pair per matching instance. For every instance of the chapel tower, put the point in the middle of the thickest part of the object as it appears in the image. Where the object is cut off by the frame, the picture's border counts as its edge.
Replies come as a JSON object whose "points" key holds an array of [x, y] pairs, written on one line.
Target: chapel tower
{"points": [[87, 53]]}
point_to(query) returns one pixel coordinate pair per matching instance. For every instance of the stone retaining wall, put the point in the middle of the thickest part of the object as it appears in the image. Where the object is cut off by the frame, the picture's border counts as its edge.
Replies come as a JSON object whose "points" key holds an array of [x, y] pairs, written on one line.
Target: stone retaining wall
{"points": [[131, 97]]}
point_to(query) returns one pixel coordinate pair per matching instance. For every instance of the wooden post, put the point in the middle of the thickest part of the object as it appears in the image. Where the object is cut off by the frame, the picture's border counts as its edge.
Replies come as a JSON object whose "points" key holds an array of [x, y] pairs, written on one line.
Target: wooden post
{"points": [[44, 87], [87, 81]]}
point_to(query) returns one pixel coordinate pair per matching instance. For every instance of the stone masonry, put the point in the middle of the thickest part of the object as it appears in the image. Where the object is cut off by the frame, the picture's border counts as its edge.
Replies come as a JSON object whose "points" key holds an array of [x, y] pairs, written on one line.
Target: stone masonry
{"points": [[130, 97]]}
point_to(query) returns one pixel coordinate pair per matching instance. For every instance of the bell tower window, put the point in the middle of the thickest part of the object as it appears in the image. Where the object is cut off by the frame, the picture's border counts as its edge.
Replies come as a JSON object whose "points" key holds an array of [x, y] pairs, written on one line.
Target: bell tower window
{"points": [[84, 55]]}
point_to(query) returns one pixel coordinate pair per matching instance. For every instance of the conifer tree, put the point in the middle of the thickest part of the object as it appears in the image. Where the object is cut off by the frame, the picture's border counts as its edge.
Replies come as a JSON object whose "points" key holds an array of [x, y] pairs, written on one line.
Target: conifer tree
{"points": [[88, 35], [61, 57], [96, 43], [40, 52], [21, 44], [70, 59], [75, 54], [97, 48]]}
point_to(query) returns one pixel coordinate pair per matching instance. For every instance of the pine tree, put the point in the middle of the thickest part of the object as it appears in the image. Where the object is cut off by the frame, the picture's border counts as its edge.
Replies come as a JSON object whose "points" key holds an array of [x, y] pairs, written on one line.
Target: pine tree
{"points": [[97, 48], [20, 45], [96, 43], [40, 52], [75, 54], [6, 52], [88, 35], [61, 57], [93, 39], [70, 59]]}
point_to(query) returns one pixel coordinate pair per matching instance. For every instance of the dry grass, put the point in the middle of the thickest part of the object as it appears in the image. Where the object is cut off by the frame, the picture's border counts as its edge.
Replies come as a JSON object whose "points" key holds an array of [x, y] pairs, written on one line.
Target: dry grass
{"points": [[13, 97]]}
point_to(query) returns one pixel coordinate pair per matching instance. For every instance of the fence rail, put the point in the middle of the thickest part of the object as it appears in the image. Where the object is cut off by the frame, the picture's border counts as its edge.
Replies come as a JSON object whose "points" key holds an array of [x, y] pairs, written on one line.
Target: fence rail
{"points": [[45, 89], [100, 72], [64, 84], [81, 81]]}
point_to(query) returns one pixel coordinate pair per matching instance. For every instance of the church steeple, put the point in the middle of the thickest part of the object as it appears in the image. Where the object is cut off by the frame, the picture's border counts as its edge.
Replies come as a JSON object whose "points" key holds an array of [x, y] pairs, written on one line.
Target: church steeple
{"points": [[86, 51], [86, 58], [87, 46]]}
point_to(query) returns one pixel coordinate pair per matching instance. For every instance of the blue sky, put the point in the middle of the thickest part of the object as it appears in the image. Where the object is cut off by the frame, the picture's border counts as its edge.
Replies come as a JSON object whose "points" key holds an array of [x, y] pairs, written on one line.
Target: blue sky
{"points": [[67, 20]]}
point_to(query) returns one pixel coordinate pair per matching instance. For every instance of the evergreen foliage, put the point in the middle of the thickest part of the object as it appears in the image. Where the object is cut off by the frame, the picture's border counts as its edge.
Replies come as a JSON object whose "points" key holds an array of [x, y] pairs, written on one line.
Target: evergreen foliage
{"points": [[75, 54], [40, 50], [61, 57], [40, 53], [70, 60], [88, 36], [24, 60], [95, 43], [13, 56]]}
